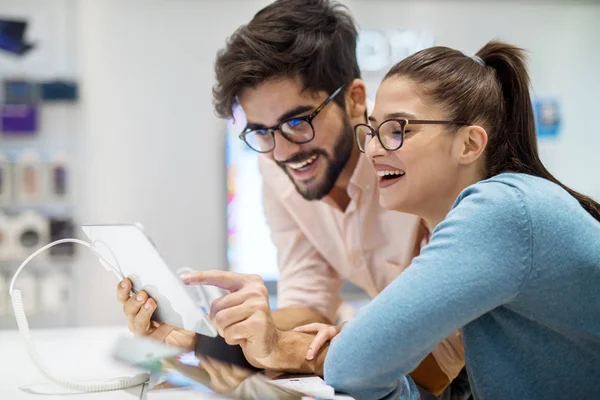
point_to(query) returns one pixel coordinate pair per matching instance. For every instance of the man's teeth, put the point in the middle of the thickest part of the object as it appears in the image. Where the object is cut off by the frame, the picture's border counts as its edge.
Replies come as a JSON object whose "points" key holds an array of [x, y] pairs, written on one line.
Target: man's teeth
{"points": [[304, 163], [383, 174]]}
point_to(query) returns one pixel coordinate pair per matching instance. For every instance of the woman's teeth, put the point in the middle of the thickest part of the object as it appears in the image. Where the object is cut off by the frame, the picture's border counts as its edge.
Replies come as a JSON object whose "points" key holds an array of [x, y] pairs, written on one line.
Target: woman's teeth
{"points": [[389, 174], [304, 163]]}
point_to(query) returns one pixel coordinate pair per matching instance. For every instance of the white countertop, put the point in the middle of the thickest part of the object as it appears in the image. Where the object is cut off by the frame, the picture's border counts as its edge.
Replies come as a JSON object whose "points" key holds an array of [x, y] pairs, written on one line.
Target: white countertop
{"points": [[80, 354], [74, 353]]}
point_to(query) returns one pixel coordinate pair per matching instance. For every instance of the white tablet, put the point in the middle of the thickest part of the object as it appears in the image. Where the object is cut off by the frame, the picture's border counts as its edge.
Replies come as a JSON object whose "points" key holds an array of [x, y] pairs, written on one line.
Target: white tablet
{"points": [[129, 250]]}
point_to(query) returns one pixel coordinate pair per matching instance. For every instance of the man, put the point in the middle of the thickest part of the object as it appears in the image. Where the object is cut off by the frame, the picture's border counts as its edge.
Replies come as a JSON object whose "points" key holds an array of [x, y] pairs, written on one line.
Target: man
{"points": [[294, 72]]}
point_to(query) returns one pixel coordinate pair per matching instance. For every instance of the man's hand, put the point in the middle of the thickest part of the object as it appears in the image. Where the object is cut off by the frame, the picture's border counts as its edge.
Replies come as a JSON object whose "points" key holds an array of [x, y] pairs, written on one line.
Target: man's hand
{"points": [[242, 317], [138, 311]]}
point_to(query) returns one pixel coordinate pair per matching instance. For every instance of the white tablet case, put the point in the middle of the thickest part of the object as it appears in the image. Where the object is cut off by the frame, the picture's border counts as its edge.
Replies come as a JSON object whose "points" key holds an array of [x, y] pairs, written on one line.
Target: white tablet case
{"points": [[126, 247]]}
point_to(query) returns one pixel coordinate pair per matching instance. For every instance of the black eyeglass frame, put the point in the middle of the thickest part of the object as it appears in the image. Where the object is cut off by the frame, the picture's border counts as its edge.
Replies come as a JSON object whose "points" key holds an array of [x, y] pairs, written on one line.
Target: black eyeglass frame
{"points": [[307, 118]]}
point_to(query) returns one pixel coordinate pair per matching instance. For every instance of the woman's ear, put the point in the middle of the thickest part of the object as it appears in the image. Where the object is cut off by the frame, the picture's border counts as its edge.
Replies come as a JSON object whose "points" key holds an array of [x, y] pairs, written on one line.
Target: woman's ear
{"points": [[473, 143], [356, 99]]}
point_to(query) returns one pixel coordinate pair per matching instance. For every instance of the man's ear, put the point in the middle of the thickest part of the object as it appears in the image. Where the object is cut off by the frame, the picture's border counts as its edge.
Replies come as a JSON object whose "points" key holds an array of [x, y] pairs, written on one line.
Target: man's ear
{"points": [[356, 99]]}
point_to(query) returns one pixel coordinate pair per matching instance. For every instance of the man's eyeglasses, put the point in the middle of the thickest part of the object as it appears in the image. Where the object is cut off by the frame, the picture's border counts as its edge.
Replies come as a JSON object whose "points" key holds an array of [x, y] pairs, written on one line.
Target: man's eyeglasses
{"points": [[391, 132], [298, 130]]}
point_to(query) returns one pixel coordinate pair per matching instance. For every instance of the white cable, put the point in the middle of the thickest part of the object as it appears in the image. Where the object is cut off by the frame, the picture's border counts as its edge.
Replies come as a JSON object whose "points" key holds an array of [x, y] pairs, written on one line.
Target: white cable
{"points": [[17, 301]]}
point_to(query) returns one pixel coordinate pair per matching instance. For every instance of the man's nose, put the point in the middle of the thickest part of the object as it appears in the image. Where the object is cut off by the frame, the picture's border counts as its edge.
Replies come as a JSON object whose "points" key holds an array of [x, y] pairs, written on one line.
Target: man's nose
{"points": [[284, 149]]}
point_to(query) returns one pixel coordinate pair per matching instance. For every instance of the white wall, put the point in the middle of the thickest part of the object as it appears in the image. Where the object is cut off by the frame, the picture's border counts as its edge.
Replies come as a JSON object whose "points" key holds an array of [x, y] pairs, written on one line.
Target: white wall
{"points": [[153, 148]]}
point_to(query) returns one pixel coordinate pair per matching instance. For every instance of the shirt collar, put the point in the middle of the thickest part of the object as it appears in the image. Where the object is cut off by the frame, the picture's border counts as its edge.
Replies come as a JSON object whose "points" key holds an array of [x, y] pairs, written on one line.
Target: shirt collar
{"points": [[363, 177]]}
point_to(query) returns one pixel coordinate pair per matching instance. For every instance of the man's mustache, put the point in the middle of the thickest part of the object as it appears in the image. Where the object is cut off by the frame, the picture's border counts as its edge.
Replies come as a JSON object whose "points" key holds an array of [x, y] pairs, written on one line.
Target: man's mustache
{"points": [[301, 156]]}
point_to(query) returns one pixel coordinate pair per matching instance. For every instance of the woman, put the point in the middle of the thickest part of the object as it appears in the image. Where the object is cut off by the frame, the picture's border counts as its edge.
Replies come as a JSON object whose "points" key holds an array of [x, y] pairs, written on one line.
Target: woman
{"points": [[514, 259]]}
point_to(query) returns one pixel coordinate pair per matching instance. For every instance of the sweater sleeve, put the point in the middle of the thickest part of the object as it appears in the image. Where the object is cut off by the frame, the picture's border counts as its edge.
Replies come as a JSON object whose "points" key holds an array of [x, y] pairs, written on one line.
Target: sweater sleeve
{"points": [[479, 257]]}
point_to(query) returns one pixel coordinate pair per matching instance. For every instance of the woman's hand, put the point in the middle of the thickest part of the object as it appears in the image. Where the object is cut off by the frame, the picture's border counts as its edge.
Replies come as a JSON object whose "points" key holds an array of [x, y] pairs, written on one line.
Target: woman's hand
{"points": [[138, 310], [324, 333]]}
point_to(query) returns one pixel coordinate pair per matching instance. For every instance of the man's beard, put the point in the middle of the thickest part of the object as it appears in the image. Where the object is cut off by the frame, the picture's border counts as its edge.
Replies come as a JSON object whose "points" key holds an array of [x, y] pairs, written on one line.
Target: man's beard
{"points": [[342, 151]]}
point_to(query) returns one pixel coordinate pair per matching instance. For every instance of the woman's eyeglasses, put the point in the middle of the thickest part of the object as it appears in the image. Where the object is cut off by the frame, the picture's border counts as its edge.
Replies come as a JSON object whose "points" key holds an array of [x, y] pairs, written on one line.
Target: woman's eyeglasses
{"points": [[391, 132]]}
